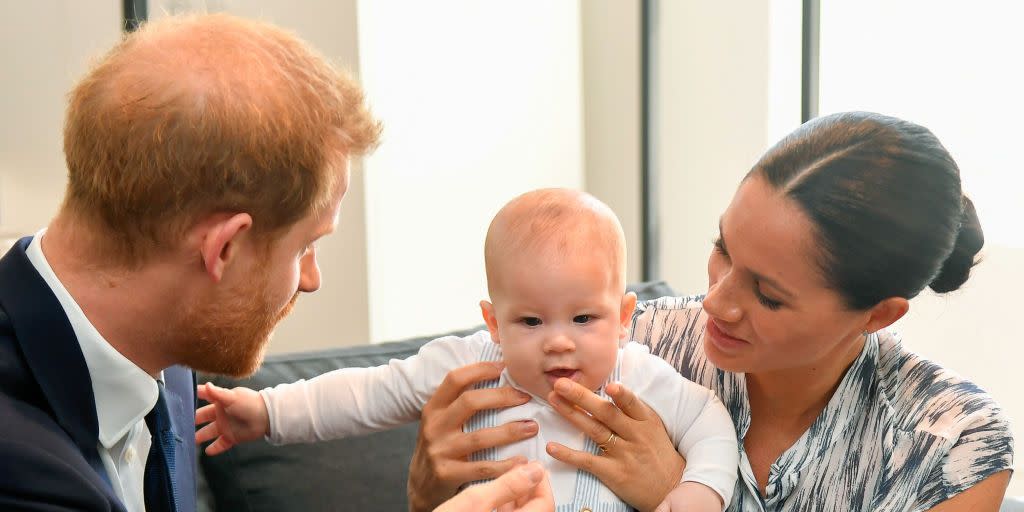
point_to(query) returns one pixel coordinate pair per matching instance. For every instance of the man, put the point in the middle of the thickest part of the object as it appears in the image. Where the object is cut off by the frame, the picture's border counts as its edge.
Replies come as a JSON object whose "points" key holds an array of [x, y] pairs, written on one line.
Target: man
{"points": [[206, 155]]}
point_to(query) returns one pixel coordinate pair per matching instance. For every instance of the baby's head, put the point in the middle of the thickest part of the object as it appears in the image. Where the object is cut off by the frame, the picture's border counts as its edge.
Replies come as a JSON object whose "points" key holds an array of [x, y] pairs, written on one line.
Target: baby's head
{"points": [[556, 272]]}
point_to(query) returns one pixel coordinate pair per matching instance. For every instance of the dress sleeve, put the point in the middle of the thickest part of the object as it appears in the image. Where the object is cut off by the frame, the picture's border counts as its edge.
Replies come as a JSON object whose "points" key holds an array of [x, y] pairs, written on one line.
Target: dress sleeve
{"points": [[984, 448], [355, 401], [697, 422]]}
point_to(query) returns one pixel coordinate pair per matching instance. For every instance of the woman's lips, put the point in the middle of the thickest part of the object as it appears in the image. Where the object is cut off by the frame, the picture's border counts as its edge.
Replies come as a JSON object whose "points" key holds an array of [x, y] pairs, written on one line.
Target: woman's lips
{"points": [[562, 373], [723, 341]]}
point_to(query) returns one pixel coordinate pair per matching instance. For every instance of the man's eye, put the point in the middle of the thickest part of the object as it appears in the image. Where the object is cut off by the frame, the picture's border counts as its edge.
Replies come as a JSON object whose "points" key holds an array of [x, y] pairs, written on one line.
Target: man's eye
{"points": [[531, 321], [581, 319]]}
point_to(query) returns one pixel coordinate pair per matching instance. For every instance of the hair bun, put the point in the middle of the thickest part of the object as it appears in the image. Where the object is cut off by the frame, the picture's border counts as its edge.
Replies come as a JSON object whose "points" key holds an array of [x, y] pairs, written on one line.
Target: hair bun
{"points": [[969, 240]]}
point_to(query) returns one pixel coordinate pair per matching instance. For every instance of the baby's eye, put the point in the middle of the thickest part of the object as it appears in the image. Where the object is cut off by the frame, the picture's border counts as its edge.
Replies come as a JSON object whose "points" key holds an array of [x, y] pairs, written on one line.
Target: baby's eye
{"points": [[531, 321], [581, 319]]}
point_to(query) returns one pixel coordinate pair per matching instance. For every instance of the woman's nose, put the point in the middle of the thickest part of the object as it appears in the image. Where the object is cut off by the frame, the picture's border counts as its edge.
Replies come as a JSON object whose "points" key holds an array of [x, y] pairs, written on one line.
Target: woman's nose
{"points": [[720, 302]]}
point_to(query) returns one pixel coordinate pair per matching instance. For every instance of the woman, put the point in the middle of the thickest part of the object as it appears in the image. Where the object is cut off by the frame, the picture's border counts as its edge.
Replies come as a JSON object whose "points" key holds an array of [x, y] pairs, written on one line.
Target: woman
{"points": [[826, 240]]}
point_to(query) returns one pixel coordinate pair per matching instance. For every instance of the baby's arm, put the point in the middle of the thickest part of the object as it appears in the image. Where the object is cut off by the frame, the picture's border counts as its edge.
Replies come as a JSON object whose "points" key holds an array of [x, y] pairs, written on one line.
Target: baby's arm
{"points": [[355, 401], [699, 426], [691, 496]]}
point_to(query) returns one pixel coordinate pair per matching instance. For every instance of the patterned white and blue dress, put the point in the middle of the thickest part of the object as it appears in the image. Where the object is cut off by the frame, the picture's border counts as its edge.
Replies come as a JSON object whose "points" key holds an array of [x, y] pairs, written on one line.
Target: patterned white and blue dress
{"points": [[901, 433]]}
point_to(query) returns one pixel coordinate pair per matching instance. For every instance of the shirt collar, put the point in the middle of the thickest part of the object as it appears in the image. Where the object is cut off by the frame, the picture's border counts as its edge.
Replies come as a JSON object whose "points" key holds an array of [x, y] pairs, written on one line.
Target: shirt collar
{"points": [[124, 392]]}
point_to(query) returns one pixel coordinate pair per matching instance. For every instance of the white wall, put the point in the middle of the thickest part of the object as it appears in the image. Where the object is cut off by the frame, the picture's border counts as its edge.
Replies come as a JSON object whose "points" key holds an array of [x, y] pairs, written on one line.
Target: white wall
{"points": [[44, 46], [481, 101], [712, 102], [611, 113]]}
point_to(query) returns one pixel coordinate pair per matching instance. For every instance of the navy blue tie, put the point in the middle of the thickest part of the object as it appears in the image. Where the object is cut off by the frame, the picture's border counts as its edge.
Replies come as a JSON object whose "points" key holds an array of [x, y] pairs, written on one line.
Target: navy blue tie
{"points": [[158, 480]]}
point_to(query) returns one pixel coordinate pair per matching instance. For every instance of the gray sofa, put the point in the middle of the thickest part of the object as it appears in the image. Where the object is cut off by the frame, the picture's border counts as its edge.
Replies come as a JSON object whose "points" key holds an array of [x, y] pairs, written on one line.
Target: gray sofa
{"points": [[365, 473]]}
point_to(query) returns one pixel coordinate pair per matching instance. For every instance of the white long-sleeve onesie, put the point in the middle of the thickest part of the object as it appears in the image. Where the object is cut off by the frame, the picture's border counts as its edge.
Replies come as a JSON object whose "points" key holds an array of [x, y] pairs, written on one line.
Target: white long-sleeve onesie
{"points": [[355, 401]]}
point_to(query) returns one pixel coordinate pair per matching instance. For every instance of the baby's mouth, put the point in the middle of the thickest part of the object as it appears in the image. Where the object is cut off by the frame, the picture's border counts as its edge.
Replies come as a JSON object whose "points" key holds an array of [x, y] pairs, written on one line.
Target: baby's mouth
{"points": [[562, 373]]}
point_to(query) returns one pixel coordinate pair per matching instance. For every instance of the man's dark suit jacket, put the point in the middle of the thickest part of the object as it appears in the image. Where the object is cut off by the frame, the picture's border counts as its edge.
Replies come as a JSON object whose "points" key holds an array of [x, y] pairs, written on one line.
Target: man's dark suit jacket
{"points": [[49, 458]]}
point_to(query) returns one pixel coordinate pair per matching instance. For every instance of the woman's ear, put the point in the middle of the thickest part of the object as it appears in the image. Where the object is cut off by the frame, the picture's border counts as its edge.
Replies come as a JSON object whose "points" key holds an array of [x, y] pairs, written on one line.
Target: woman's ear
{"points": [[626, 313], [487, 309], [886, 313], [220, 237]]}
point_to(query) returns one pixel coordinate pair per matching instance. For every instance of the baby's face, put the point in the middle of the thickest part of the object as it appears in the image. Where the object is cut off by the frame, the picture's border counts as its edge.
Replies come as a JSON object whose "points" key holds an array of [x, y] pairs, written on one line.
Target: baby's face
{"points": [[559, 319]]}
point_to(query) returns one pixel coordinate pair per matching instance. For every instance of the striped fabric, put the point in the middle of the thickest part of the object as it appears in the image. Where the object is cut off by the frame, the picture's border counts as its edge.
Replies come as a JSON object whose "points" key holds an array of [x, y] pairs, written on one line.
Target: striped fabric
{"points": [[900, 434], [588, 487]]}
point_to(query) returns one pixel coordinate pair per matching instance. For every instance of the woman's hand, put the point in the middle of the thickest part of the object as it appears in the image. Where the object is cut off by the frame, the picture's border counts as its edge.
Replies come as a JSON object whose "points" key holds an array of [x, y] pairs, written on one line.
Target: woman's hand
{"points": [[640, 445], [440, 462], [522, 489]]}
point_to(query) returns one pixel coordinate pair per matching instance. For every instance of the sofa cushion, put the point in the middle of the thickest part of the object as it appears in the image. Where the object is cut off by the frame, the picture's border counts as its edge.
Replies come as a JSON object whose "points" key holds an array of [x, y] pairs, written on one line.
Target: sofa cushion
{"points": [[361, 473]]}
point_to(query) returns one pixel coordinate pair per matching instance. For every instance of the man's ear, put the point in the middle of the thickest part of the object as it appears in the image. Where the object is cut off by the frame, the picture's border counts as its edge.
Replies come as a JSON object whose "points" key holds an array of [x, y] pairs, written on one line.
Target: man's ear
{"points": [[220, 239], [626, 313], [886, 313], [487, 309]]}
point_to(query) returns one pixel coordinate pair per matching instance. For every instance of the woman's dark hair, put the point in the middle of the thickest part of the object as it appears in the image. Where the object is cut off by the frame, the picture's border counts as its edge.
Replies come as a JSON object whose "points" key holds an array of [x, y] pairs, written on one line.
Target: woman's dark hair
{"points": [[885, 198]]}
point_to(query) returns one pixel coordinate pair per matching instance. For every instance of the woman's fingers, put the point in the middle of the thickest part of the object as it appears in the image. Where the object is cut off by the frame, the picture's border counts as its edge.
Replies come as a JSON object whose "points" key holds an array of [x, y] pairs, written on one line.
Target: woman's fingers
{"points": [[476, 400], [459, 404], [600, 409], [590, 427], [459, 379], [465, 444], [589, 462], [628, 402]]}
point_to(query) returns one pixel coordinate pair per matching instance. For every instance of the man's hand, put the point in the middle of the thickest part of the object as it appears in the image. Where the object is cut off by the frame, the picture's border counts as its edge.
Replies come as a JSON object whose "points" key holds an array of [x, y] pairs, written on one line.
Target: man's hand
{"points": [[234, 415], [523, 489], [440, 462]]}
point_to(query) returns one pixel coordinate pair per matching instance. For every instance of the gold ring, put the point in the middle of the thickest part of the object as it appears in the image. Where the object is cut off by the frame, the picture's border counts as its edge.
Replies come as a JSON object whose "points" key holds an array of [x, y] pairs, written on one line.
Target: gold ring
{"points": [[605, 446]]}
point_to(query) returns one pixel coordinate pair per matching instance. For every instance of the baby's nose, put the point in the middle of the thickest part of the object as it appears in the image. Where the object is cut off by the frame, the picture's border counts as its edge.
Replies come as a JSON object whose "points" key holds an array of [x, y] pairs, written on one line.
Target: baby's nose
{"points": [[559, 342]]}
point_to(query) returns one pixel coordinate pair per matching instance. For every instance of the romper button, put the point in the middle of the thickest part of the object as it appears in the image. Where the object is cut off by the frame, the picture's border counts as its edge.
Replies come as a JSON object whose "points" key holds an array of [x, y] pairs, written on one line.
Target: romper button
{"points": [[585, 509]]}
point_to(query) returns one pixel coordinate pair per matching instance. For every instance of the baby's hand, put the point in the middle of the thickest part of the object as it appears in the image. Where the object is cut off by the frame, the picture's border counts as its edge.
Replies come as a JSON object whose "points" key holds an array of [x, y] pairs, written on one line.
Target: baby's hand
{"points": [[691, 497], [234, 415]]}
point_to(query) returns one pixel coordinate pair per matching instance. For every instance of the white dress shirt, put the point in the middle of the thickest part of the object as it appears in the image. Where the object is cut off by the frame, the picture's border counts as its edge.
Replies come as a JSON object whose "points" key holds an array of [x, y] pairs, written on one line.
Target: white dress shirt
{"points": [[124, 393], [354, 401]]}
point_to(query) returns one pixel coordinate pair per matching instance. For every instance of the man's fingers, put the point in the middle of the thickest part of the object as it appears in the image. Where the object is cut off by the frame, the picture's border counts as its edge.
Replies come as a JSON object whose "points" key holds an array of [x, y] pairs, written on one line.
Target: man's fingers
{"points": [[508, 487], [461, 378], [462, 445]]}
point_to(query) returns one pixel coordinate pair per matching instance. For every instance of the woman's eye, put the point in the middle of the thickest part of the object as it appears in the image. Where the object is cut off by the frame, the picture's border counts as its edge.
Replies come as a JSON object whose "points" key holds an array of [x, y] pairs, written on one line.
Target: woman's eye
{"points": [[531, 321], [581, 319], [720, 247], [767, 302]]}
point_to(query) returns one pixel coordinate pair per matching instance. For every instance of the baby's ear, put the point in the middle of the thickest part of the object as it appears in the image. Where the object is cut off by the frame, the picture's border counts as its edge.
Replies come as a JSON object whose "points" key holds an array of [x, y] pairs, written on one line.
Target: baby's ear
{"points": [[626, 312], [487, 310]]}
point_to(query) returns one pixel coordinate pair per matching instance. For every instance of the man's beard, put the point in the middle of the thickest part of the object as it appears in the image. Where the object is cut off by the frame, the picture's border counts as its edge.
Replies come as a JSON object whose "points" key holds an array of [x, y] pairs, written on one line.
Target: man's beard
{"points": [[228, 334]]}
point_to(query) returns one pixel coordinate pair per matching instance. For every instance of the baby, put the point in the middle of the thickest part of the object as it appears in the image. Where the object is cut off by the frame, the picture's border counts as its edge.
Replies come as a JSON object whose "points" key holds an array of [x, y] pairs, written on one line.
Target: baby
{"points": [[555, 262]]}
